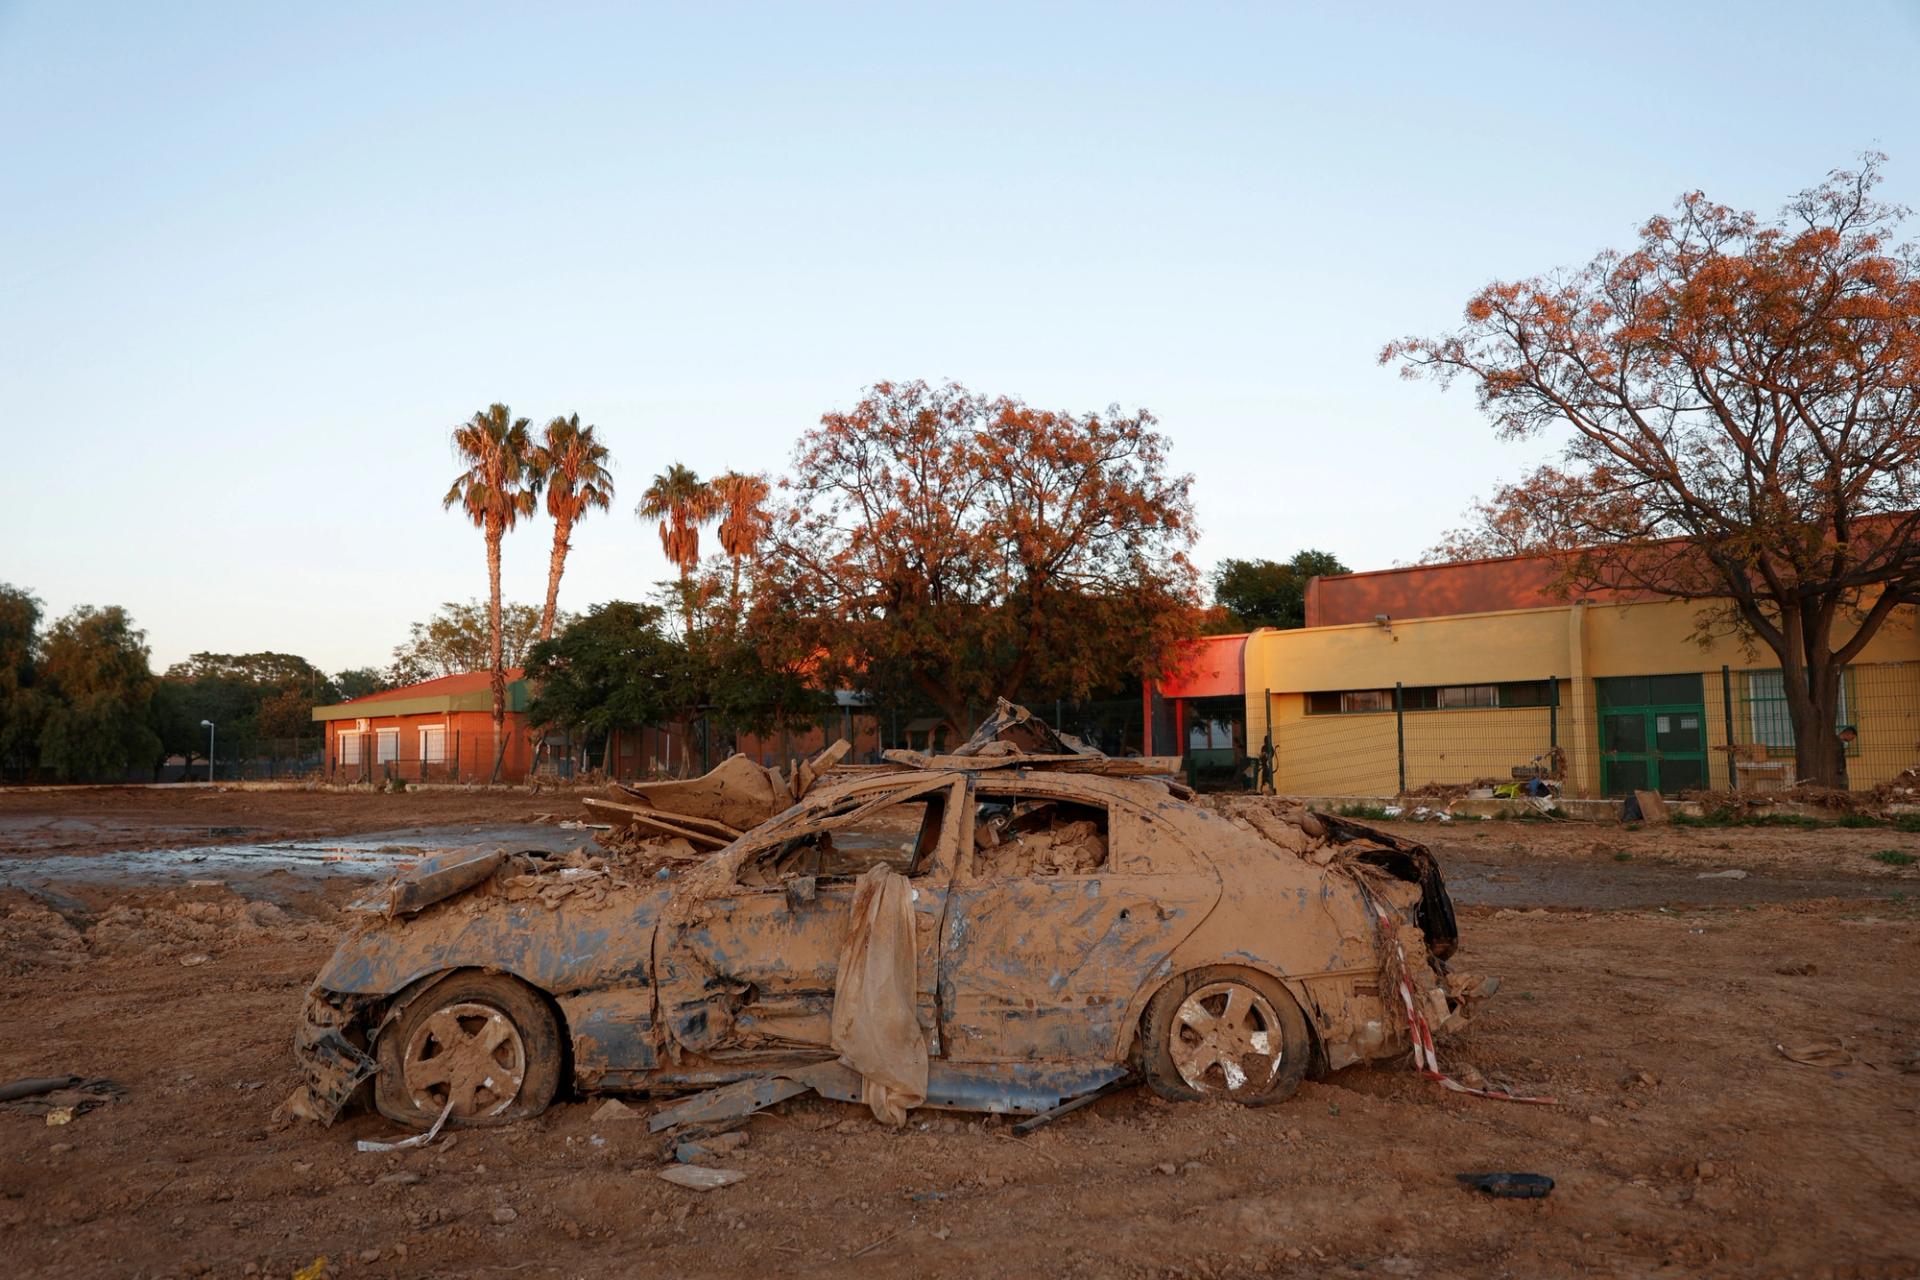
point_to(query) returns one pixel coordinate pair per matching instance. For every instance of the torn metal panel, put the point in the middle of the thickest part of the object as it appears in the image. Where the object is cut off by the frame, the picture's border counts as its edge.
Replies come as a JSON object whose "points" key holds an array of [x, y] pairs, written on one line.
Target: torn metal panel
{"points": [[748, 963], [434, 879], [1013, 729], [613, 1030], [728, 1102], [737, 793], [1016, 1088], [332, 1067]]}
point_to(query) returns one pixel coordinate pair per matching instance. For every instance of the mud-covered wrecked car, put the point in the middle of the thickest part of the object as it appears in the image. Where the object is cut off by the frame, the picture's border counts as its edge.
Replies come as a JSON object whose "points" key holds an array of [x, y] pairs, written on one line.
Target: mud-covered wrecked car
{"points": [[1070, 919]]}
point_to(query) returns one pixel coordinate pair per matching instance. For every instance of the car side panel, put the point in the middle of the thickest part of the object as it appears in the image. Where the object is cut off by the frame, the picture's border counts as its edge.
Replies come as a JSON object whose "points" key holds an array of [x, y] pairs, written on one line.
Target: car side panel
{"points": [[1299, 923], [1046, 968]]}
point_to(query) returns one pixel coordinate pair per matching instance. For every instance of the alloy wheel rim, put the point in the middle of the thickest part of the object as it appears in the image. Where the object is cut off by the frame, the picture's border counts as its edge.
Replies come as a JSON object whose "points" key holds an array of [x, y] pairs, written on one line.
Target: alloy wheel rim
{"points": [[1226, 1039], [469, 1054]]}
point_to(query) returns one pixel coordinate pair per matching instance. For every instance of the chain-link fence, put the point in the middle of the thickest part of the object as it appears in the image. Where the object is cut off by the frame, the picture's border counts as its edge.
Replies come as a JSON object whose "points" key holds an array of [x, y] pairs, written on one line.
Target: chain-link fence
{"points": [[1721, 730], [426, 754], [871, 728], [1383, 742], [435, 756]]}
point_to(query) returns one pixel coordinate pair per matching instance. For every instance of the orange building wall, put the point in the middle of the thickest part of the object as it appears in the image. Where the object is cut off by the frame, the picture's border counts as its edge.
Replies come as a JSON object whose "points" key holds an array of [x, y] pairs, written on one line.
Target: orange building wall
{"points": [[470, 747]]}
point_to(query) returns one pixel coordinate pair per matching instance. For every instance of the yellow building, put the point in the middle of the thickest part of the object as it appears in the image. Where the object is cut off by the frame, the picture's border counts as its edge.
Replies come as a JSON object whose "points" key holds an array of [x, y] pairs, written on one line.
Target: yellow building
{"points": [[1379, 694]]}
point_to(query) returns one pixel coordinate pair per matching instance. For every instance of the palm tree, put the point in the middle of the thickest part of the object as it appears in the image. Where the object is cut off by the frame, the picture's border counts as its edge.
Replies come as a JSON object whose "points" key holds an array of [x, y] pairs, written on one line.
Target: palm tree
{"points": [[573, 466], [496, 489], [681, 501], [742, 502]]}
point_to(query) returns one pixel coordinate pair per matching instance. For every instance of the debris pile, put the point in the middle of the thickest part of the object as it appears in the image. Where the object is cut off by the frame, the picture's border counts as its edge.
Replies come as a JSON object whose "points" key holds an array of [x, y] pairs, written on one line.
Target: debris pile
{"points": [[175, 922], [181, 923], [1043, 840], [577, 880], [1838, 801], [651, 825], [1293, 827], [33, 936]]}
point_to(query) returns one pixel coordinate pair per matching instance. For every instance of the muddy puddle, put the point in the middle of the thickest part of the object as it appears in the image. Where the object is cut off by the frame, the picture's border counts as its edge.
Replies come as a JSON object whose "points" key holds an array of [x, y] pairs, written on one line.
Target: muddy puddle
{"points": [[333, 857]]}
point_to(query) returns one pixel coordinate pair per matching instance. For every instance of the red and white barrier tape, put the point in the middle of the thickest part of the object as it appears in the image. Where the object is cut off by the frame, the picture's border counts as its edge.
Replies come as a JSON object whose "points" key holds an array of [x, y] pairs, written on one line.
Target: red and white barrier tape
{"points": [[1426, 1060]]}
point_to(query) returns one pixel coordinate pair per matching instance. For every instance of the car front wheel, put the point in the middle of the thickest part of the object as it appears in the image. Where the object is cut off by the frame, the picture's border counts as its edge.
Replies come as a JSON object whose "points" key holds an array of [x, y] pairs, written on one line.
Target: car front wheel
{"points": [[1225, 1033], [486, 1044]]}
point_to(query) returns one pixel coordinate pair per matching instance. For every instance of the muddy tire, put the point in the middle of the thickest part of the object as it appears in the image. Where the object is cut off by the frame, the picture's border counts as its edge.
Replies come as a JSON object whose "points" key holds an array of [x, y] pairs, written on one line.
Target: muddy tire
{"points": [[1225, 1034], [487, 1043]]}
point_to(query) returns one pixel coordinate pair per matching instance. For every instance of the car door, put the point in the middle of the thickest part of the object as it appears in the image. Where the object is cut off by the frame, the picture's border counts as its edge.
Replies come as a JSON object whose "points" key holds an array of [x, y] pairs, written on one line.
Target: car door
{"points": [[1039, 961], [752, 972]]}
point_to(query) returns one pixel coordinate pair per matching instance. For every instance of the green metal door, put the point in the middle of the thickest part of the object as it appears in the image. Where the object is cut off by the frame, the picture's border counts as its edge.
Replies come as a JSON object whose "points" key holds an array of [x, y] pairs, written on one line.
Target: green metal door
{"points": [[1653, 734]]}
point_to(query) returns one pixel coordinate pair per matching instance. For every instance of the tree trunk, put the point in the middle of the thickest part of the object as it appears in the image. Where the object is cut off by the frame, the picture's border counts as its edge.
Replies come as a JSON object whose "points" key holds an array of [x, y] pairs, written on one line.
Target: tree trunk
{"points": [[733, 598], [1813, 704], [686, 601], [495, 646], [556, 565], [685, 726]]}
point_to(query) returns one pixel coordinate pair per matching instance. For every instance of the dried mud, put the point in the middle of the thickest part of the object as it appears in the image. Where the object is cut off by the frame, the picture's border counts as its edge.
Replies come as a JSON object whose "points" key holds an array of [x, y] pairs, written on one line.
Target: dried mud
{"points": [[1684, 1142]]}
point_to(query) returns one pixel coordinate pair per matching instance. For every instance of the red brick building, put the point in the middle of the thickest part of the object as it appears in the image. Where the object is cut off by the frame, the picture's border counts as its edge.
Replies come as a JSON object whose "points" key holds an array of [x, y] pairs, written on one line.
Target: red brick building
{"points": [[436, 731]]}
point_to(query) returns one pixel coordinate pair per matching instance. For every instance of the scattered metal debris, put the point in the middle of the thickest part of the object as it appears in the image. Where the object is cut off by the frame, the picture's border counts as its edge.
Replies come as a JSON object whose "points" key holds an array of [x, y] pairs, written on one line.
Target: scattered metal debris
{"points": [[406, 1144], [1509, 1186], [1031, 1123]]}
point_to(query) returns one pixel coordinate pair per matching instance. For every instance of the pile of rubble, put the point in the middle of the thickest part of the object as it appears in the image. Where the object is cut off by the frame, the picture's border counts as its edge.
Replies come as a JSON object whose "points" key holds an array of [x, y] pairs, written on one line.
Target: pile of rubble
{"points": [[652, 825], [1042, 841]]}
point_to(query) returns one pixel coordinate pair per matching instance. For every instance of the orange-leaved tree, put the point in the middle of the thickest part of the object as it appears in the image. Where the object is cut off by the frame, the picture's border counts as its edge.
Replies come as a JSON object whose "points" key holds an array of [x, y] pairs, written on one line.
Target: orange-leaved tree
{"points": [[497, 487], [681, 501], [1740, 400], [957, 548], [573, 465]]}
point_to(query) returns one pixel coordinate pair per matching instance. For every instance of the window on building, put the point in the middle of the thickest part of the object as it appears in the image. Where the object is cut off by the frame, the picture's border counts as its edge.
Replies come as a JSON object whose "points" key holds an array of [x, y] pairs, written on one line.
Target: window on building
{"points": [[349, 752], [1454, 697], [1770, 721], [1349, 701], [386, 746], [1526, 693], [1434, 697], [433, 745], [1210, 735]]}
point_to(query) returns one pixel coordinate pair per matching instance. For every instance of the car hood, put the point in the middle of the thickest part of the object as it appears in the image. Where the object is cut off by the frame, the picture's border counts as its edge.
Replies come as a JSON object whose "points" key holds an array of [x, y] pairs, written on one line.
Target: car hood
{"points": [[561, 926]]}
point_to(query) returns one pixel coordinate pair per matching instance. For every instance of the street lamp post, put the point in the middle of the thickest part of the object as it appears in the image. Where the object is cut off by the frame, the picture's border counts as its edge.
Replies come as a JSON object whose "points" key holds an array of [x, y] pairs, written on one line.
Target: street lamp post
{"points": [[208, 726]]}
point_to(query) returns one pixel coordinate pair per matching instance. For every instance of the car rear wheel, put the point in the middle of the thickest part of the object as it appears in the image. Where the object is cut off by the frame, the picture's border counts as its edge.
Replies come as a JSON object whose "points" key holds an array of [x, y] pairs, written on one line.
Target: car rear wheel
{"points": [[1228, 1034], [484, 1043]]}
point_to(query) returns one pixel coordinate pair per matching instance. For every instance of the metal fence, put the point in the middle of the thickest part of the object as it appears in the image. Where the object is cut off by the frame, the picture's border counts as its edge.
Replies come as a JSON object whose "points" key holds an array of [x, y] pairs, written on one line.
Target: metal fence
{"points": [[265, 760], [655, 751], [1720, 730], [1384, 742], [455, 758]]}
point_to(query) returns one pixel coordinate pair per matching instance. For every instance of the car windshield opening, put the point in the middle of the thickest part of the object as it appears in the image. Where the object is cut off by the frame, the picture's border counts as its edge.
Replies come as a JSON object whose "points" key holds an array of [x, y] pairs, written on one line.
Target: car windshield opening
{"points": [[845, 844]]}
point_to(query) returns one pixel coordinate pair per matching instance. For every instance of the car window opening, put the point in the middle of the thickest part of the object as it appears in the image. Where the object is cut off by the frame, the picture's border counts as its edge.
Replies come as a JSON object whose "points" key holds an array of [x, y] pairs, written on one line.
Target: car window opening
{"points": [[1023, 836], [902, 836]]}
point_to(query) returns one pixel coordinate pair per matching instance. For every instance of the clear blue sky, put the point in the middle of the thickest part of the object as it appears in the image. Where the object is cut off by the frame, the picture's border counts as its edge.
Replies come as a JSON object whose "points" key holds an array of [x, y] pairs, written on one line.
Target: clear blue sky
{"points": [[255, 260]]}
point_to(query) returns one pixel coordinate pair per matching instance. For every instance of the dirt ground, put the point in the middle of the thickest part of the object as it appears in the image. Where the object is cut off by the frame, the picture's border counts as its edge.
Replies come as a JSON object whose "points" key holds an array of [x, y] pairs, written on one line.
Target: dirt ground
{"points": [[1683, 1141]]}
